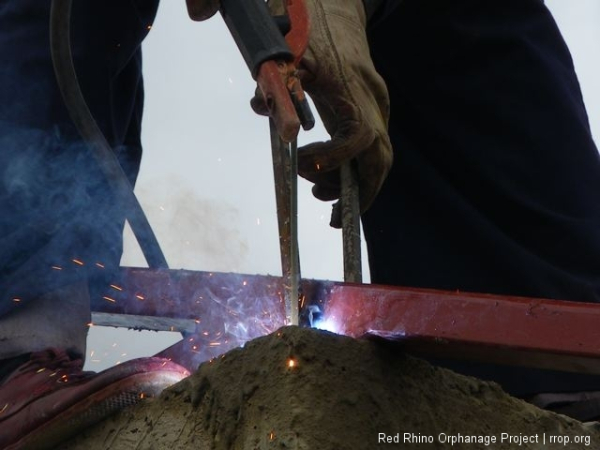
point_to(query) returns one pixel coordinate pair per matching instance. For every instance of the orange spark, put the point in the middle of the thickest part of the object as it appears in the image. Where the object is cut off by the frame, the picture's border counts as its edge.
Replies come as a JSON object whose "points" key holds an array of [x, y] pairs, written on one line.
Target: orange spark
{"points": [[77, 261], [114, 286], [57, 267], [109, 299], [291, 363]]}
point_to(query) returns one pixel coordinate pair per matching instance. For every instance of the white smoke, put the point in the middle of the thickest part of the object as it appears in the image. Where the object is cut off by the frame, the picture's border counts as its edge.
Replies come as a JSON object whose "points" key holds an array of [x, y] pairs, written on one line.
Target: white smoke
{"points": [[194, 232]]}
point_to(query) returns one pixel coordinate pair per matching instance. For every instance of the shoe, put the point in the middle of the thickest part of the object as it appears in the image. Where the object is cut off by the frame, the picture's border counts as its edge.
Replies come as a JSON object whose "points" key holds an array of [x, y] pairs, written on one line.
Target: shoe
{"points": [[49, 399]]}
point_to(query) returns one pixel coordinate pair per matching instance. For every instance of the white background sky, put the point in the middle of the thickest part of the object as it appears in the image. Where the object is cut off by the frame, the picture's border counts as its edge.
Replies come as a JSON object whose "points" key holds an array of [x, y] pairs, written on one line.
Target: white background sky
{"points": [[206, 181]]}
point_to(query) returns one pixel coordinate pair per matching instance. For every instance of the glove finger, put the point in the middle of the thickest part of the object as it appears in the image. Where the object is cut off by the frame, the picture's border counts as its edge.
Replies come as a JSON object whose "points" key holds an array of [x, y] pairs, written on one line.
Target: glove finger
{"points": [[349, 136], [373, 166], [258, 104], [200, 10], [325, 193], [326, 184], [335, 221], [330, 155]]}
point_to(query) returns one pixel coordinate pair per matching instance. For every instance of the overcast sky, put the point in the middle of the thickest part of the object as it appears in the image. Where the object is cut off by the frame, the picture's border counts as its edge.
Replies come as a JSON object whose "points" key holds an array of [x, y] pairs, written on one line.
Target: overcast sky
{"points": [[206, 181]]}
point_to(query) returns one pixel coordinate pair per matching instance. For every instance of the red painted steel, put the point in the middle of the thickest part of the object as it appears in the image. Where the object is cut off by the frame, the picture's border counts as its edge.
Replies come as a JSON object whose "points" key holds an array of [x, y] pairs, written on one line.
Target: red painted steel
{"points": [[225, 310], [229, 309], [203, 296], [498, 329]]}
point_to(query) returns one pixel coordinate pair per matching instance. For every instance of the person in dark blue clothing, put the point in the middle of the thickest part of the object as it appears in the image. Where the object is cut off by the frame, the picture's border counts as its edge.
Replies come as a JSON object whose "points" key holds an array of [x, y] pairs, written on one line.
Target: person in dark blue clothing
{"points": [[495, 181], [60, 226]]}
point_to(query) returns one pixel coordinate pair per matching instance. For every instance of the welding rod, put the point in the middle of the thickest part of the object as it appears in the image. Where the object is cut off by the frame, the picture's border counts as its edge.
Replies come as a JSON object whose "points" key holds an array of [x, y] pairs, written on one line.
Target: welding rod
{"points": [[285, 175], [268, 55], [294, 243], [350, 204], [346, 215]]}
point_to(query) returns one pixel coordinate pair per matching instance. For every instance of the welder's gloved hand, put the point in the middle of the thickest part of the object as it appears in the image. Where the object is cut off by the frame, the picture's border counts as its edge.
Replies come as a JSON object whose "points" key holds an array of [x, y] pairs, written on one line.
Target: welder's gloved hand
{"points": [[199, 10], [350, 96]]}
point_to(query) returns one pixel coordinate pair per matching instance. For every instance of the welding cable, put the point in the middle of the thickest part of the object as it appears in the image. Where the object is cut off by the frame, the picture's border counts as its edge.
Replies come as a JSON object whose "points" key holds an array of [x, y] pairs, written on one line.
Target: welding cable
{"points": [[66, 77]]}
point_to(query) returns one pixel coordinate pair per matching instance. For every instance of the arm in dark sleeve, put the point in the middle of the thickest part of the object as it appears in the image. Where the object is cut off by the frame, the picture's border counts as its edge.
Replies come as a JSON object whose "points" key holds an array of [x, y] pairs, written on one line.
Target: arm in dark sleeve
{"points": [[378, 10]]}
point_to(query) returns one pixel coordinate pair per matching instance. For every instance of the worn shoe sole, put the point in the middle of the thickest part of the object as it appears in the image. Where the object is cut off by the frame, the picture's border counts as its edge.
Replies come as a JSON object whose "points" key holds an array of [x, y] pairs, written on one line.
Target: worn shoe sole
{"points": [[94, 408]]}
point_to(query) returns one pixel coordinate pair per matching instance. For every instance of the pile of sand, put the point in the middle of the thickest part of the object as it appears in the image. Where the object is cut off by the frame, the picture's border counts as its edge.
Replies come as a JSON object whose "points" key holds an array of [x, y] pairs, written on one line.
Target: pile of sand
{"points": [[306, 389]]}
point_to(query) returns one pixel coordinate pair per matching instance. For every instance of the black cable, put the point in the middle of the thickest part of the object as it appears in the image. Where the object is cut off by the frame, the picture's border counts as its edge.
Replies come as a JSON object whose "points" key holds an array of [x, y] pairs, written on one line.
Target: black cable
{"points": [[62, 60]]}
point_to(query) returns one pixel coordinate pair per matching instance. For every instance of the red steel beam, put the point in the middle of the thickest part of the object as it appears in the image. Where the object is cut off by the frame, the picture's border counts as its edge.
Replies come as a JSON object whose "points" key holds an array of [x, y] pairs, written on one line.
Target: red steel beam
{"points": [[220, 311], [487, 328], [200, 296]]}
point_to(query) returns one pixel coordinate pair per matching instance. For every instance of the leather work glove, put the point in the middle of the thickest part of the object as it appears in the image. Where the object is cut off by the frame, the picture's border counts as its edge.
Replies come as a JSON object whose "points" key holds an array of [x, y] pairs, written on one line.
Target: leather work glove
{"points": [[199, 10], [350, 97]]}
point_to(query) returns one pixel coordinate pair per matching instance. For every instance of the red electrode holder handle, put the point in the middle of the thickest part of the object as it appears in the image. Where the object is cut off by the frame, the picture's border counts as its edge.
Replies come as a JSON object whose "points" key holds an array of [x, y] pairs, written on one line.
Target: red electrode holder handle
{"points": [[273, 59]]}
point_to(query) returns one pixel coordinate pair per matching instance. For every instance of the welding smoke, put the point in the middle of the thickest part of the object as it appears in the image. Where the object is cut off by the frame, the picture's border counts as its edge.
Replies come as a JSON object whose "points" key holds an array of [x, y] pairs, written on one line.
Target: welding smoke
{"points": [[59, 214], [195, 233]]}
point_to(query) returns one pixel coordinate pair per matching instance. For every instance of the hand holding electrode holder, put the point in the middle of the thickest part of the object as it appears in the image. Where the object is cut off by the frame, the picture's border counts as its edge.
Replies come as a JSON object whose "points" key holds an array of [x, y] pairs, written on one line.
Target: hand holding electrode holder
{"points": [[272, 60]]}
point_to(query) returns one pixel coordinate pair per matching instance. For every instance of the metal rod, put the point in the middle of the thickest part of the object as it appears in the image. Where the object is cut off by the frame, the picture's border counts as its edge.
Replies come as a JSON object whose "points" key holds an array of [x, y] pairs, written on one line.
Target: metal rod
{"points": [[294, 250], [287, 220], [350, 205]]}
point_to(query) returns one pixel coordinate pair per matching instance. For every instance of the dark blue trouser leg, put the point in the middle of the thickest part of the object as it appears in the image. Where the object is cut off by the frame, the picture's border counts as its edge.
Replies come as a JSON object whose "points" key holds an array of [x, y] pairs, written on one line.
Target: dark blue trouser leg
{"points": [[496, 179], [60, 224]]}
